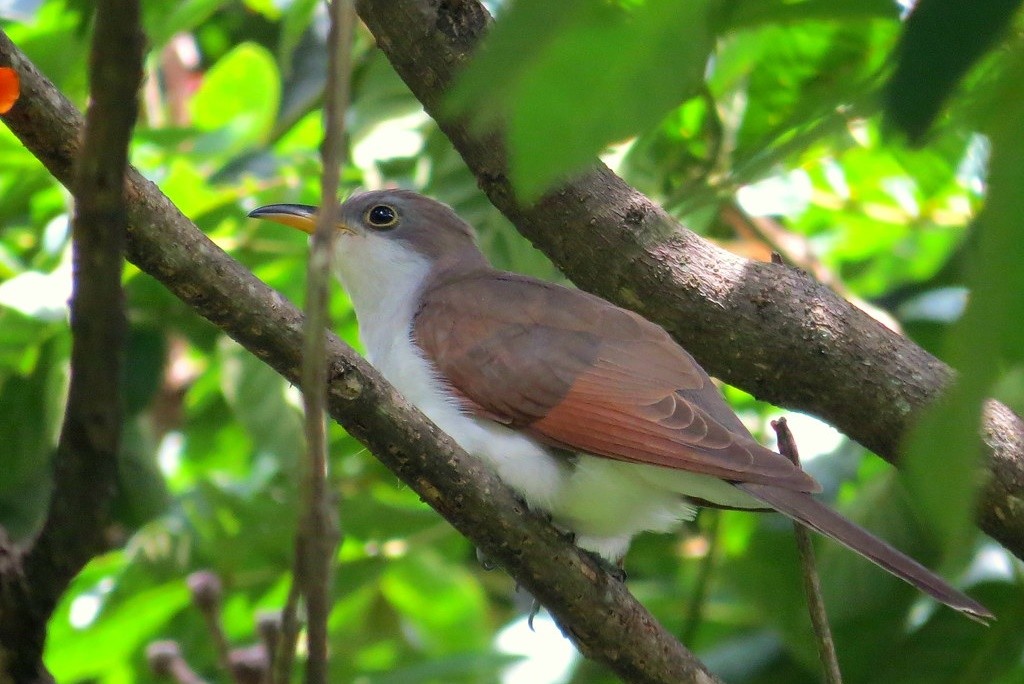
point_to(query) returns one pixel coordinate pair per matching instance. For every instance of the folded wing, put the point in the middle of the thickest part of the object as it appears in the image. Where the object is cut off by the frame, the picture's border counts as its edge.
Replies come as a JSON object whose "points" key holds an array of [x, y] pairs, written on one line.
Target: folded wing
{"points": [[585, 375]]}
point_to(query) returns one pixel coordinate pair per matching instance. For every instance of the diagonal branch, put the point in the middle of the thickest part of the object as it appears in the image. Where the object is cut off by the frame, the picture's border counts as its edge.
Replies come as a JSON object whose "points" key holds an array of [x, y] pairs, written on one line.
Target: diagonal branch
{"points": [[768, 329], [165, 244], [85, 469]]}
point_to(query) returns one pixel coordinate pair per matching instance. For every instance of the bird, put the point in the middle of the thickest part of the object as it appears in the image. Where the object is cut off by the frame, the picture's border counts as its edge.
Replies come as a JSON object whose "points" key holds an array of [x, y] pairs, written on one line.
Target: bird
{"points": [[590, 412]]}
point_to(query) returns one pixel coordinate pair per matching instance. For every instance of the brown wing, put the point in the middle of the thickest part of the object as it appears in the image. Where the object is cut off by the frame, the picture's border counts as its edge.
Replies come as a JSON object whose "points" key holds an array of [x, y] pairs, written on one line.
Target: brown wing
{"points": [[585, 375]]}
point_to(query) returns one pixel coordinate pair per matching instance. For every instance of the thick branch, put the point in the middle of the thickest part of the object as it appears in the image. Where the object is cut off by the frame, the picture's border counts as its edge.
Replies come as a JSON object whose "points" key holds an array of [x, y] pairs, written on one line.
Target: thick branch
{"points": [[763, 327], [85, 475], [605, 620]]}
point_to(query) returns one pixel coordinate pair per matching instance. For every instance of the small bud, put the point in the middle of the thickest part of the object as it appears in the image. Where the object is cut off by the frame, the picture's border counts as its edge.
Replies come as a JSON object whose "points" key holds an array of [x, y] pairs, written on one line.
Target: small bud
{"points": [[249, 665], [206, 590], [161, 656], [166, 662], [268, 624]]}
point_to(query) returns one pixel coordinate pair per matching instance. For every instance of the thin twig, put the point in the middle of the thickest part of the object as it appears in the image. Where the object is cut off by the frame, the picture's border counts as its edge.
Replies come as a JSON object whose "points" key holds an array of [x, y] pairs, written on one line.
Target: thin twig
{"points": [[695, 606], [207, 594], [812, 582], [284, 654], [268, 626], [318, 533]]}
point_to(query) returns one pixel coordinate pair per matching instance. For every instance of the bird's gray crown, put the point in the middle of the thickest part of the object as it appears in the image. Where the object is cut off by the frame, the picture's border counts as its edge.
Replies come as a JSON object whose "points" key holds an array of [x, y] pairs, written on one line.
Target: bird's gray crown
{"points": [[427, 226]]}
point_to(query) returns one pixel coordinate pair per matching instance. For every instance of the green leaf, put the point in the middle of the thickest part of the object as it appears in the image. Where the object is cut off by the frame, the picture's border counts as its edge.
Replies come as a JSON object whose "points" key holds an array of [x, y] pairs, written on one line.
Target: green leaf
{"points": [[753, 12], [256, 394], [21, 341], [794, 76], [117, 634], [941, 40], [981, 654], [572, 77], [142, 493], [144, 360], [31, 407], [452, 620], [268, 8], [238, 99], [164, 19], [942, 467], [186, 184], [297, 18]]}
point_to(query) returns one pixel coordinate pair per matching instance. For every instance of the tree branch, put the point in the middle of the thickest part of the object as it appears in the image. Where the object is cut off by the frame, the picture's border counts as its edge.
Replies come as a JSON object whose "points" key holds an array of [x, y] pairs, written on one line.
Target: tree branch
{"points": [[319, 534], [597, 611], [809, 570], [85, 469], [768, 329]]}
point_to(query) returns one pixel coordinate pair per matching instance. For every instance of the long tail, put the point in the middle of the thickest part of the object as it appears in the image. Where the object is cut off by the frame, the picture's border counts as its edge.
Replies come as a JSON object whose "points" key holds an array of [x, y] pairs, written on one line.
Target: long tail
{"points": [[808, 511]]}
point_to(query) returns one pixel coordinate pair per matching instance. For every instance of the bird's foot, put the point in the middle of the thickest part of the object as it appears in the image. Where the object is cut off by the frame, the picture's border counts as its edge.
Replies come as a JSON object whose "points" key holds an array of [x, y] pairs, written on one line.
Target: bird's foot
{"points": [[614, 569]]}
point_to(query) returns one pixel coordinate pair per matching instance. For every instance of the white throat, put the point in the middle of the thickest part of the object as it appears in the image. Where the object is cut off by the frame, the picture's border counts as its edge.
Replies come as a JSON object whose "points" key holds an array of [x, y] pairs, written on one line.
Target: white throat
{"points": [[383, 278]]}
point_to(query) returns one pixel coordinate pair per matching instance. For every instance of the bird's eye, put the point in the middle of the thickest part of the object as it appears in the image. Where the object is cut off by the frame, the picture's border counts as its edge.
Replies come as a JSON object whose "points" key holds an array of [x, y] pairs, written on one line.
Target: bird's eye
{"points": [[382, 216]]}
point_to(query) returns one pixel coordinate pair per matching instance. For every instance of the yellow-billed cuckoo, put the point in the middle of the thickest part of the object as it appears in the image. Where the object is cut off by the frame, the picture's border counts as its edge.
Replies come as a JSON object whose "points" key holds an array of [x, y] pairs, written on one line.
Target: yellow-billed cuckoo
{"points": [[520, 371]]}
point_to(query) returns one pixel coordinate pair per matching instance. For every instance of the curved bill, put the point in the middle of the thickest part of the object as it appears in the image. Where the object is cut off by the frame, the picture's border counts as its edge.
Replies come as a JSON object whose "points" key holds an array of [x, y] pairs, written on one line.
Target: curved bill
{"points": [[301, 216]]}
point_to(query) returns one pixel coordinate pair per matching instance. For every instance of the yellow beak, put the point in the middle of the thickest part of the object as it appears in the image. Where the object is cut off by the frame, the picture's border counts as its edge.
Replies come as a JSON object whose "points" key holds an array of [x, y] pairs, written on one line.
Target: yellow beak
{"points": [[301, 216]]}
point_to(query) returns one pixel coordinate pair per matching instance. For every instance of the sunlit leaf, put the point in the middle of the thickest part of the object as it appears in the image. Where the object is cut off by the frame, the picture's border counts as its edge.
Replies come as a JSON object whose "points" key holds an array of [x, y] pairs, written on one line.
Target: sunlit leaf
{"points": [[238, 98], [547, 64], [120, 634]]}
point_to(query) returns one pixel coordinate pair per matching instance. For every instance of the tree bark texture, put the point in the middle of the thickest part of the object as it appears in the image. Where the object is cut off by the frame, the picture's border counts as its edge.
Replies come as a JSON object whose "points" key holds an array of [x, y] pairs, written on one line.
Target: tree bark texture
{"points": [[765, 328]]}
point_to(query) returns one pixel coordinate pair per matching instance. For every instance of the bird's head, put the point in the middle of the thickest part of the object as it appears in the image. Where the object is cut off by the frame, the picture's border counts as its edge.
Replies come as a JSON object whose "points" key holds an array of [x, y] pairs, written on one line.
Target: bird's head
{"points": [[400, 218], [389, 243]]}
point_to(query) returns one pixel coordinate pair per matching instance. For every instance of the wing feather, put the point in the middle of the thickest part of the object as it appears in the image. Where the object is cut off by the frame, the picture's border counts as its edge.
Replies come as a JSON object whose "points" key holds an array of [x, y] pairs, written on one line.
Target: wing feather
{"points": [[585, 375]]}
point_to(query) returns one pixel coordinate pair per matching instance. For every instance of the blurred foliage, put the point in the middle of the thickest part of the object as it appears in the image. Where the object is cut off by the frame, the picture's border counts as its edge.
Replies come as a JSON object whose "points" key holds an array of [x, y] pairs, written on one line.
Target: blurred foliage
{"points": [[783, 122], [942, 40]]}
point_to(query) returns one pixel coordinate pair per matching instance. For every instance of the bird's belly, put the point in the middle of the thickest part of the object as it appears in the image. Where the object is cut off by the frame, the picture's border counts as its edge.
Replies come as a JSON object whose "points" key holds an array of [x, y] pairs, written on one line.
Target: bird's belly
{"points": [[533, 470], [606, 502]]}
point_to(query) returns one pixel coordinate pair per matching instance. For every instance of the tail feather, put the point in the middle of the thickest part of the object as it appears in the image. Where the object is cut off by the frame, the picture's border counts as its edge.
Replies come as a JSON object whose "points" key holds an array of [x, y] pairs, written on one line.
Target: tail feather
{"points": [[808, 511]]}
